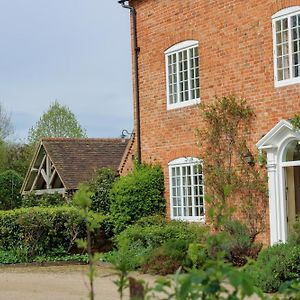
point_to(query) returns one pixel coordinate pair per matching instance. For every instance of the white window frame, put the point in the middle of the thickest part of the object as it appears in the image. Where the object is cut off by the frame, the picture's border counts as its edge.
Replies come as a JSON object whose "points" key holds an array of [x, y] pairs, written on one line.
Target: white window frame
{"points": [[282, 14], [183, 162], [175, 49]]}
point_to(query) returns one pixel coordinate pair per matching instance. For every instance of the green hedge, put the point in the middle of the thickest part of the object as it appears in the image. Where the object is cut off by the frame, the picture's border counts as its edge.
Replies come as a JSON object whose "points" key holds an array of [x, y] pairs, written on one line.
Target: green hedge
{"points": [[136, 195], [276, 265], [153, 239], [41, 230]]}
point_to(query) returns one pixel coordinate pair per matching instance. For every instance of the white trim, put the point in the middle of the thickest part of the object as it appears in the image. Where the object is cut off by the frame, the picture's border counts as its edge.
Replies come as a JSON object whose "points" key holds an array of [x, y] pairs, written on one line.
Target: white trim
{"points": [[175, 49], [282, 14], [286, 11], [182, 104], [184, 161], [275, 143], [181, 46], [181, 162]]}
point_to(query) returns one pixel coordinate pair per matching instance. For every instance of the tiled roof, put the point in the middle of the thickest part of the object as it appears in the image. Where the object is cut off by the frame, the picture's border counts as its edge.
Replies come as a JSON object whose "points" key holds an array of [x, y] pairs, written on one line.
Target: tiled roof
{"points": [[77, 159]]}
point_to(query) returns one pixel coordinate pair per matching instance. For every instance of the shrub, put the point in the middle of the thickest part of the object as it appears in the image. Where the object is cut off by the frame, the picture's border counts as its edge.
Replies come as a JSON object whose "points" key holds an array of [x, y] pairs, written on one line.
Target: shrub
{"points": [[295, 234], [41, 230], [234, 242], [31, 200], [100, 186], [148, 244], [167, 258], [136, 195], [10, 185], [276, 265]]}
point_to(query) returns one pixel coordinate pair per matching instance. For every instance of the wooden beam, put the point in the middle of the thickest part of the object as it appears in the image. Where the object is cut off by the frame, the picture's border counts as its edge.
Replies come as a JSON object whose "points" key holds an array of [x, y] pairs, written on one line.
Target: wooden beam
{"points": [[38, 173], [50, 191]]}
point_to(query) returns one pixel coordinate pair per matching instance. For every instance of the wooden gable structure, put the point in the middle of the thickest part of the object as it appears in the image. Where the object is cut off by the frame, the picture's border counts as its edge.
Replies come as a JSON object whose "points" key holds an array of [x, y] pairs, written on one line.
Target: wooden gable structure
{"points": [[61, 164]]}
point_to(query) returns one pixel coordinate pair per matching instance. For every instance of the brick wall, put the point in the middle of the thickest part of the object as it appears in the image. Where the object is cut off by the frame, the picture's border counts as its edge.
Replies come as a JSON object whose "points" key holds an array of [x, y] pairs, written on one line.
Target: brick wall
{"points": [[236, 57]]}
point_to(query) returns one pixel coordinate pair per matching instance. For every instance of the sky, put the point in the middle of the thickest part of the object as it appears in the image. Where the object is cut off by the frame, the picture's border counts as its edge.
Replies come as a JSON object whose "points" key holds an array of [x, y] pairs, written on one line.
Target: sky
{"points": [[74, 51]]}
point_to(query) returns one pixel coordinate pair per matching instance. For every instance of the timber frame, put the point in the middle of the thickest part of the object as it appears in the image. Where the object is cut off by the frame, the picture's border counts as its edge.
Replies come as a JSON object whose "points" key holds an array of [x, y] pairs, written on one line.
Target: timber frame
{"points": [[42, 176]]}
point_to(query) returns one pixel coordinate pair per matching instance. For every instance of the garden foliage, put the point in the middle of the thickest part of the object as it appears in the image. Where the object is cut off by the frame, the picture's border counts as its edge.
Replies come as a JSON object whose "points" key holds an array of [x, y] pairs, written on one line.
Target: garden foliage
{"points": [[234, 184], [31, 200], [38, 231], [157, 245], [100, 185], [136, 195], [275, 265], [10, 185]]}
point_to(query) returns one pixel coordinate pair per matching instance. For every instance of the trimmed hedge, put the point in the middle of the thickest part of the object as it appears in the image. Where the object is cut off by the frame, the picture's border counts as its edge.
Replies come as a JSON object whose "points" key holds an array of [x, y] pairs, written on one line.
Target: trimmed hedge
{"points": [[136, 195], [41, 230]]}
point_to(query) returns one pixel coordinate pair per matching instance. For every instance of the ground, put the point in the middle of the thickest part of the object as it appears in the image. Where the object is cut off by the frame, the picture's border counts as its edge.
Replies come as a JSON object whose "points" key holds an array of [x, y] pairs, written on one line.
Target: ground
{"points": [[57, 282]]}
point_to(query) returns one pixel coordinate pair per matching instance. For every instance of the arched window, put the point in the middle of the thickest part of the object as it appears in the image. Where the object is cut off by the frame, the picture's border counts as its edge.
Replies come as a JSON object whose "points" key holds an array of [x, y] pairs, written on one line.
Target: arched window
{"points": [[286, 42], [186, 189], [182, 74]]}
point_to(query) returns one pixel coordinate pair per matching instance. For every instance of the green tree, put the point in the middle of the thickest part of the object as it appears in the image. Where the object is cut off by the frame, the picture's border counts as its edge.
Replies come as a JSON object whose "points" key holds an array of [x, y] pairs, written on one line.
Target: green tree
{"points": [[10, 185], [15, 157], [58, 121], [6, 127]]}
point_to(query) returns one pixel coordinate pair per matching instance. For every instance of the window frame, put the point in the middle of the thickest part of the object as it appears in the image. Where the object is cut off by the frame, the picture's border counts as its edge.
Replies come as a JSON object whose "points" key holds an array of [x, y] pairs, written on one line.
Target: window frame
{"points": [[175, 49], [282, 14], [183, 162]]}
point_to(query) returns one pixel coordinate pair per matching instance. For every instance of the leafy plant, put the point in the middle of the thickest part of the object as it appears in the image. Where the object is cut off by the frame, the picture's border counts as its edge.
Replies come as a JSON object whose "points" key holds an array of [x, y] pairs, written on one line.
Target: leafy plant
{"points": [[41, 230], [207, 283], [100, 185], [136, 195], [275, 265], [167, 258], [58, 121], [82, 199], [10, 185], [44, 200], [295, 121], [235, 185], [147, 242]]}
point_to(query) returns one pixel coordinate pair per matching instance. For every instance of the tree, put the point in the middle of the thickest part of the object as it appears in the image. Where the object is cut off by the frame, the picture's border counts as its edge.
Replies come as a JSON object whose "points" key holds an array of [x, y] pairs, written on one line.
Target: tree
{"points": [[58, 121], [10, 185], [6, 127]]}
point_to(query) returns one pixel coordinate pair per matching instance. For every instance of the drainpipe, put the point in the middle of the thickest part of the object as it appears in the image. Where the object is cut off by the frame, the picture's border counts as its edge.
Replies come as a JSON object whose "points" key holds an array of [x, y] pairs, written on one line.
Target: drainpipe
{"points": [[136, 71]]}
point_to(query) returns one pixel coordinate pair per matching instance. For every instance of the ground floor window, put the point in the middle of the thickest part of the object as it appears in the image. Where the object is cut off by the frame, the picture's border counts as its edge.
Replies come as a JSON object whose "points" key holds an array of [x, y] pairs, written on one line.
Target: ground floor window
{"points": [[186, 189]]}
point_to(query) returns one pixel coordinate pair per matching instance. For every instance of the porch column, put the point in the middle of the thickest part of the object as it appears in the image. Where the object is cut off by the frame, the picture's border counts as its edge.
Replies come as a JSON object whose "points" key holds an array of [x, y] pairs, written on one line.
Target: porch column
{"points": [[273, 197]]}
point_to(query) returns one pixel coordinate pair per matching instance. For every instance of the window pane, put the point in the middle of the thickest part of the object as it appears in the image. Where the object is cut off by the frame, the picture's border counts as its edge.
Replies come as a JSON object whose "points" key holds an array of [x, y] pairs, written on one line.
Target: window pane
{"points": [[188, 190]]}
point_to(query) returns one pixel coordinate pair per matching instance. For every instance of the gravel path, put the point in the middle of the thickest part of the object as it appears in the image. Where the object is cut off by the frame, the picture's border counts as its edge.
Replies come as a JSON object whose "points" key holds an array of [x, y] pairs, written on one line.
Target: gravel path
{"points": [[56, 283]]}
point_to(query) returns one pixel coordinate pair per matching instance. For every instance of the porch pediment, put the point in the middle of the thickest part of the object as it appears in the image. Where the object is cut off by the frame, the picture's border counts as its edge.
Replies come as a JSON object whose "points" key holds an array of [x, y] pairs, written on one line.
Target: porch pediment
{"points": [[282, 131]]}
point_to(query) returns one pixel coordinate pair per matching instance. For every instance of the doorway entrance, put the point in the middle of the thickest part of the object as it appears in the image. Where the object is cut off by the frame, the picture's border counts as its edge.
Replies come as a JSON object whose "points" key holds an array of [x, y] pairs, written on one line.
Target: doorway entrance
{"points": [[292, 182]]}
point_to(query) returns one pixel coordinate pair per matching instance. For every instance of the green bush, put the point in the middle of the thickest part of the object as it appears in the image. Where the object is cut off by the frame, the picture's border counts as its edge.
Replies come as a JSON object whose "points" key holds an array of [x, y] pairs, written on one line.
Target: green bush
{"points": [[294, 237], [31, 200], [167, 258], [148, 243], [41, 230], [136, 195], [100, 186], [10, 185], [241, 244], [234, 242], [276, 265]]}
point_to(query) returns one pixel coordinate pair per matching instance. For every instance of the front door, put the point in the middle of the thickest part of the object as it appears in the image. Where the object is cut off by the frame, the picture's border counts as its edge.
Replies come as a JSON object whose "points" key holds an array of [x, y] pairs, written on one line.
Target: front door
{"points": [[292, 179]]}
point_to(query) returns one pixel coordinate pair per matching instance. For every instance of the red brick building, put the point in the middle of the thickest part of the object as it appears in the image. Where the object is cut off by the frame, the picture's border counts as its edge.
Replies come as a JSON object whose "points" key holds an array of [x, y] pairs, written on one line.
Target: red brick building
{"points": [[193, 50]]}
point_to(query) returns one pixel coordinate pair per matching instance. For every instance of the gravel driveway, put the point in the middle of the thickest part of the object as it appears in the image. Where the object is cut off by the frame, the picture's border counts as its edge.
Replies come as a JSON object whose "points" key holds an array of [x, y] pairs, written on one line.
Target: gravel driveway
{"points": [[56, 283]]}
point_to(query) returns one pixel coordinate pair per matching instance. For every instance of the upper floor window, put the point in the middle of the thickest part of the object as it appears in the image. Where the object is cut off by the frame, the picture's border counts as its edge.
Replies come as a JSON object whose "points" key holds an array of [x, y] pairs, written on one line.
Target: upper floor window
{"points": [[186, 189], [182, 71], [286, 42]]}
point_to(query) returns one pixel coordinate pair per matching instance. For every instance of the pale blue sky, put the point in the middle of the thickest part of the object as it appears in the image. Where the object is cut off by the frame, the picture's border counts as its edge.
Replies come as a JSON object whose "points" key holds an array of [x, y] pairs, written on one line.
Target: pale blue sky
{"points": [[75, 51]]}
